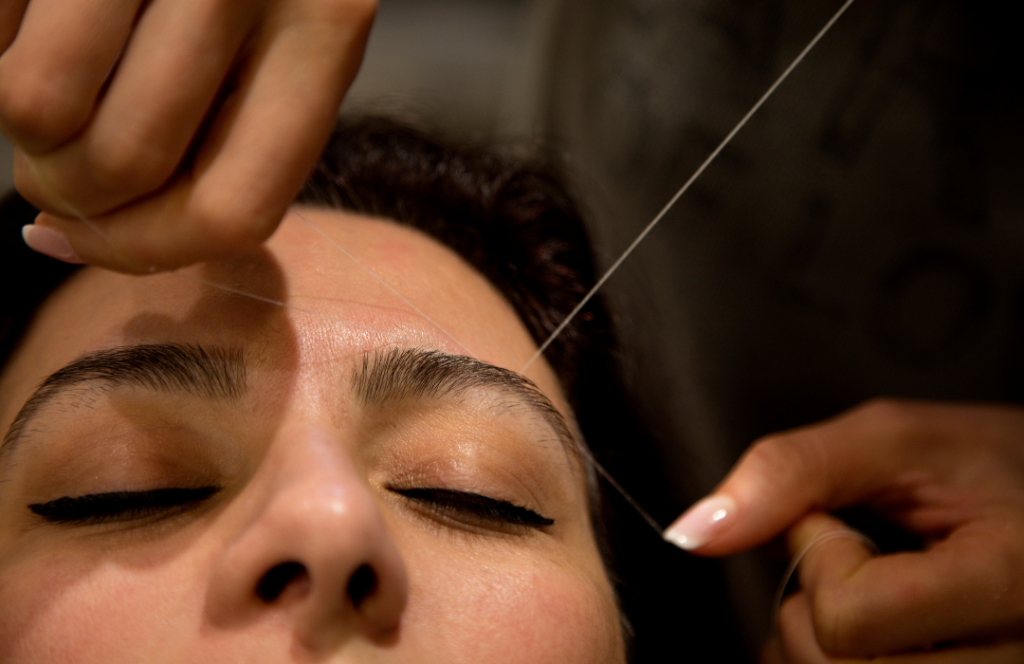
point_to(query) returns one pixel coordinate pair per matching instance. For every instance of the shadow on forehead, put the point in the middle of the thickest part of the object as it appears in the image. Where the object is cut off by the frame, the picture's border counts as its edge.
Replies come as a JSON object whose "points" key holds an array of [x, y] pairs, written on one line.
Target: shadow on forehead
{"points": [[242, 302], [213, 373], [166, 350], [257, 272]]}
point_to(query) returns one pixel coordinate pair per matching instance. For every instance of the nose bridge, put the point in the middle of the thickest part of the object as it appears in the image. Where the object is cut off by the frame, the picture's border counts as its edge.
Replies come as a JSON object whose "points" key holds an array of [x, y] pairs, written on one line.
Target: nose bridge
{"points": [[316, 547], [320, 506], [311, 471]]}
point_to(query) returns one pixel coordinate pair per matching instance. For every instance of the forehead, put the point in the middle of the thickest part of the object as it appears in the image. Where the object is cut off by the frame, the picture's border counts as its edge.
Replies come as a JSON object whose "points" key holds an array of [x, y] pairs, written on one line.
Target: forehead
{"points": [[351, 285]]}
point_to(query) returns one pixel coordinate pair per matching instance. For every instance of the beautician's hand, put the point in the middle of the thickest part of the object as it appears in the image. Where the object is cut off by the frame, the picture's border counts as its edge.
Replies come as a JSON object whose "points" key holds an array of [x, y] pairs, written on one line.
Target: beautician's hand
{"points": [[953, 474], [181, 128]]}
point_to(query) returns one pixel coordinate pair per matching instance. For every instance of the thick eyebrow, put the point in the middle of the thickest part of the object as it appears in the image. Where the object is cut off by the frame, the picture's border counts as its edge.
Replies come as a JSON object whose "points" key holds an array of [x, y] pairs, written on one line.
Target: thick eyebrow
{"points": [[215, 374], [415, 373]]}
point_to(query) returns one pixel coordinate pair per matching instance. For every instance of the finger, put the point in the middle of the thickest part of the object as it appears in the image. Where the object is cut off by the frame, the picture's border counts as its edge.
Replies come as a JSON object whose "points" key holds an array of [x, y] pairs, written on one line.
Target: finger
{"points": [[167, 80], [862, 605], [795, 636], [11, 12], [841, 462], [52, 74], [259, 151], [797, 642]]}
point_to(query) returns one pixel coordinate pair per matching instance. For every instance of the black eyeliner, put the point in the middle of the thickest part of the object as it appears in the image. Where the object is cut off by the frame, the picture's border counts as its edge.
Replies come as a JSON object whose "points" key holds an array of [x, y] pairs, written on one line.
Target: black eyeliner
{"points": [[490, 509], [120, 505]]}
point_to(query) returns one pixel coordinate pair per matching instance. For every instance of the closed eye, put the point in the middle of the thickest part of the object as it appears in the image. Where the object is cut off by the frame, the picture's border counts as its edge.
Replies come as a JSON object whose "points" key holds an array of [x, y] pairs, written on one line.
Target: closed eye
{"points": [[121, 506], [462, 503]]}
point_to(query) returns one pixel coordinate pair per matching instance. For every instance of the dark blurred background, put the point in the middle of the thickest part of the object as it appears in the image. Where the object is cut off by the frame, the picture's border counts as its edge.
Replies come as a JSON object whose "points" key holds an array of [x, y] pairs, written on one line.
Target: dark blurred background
{"points": [[860, 238]]}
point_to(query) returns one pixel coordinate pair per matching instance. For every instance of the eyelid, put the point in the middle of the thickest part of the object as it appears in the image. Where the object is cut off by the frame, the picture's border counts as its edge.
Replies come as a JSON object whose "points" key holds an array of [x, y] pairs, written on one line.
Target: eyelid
{"points": [[480, 507], [122, 506]]}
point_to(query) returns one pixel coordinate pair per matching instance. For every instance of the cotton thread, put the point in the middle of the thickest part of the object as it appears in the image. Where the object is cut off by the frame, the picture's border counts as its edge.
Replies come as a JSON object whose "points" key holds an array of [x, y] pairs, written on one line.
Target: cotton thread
{"points": [[626, 496], [647, 518], [579, 307], [291, 307], [822, 538], [259, 298], [693, 178]]}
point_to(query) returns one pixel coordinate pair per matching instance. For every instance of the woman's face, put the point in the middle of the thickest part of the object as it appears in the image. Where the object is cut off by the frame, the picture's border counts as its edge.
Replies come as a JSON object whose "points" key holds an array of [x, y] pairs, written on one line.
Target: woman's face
{"points": [[205, 477]]}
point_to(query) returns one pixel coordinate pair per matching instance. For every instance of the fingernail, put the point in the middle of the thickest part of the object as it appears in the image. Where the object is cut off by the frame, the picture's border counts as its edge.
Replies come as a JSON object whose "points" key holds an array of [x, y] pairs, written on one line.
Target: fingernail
{"points": [[49, 242], [701, 522]]}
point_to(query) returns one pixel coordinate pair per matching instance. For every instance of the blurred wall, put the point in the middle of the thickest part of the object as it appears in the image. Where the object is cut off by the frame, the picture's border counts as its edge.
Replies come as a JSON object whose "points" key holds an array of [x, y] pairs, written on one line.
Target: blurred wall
{"points": [[472, 68]]}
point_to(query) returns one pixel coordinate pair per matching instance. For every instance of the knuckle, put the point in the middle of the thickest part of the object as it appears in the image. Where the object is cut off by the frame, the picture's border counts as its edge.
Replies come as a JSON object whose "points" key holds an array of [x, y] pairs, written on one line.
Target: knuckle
{"points": [[127, 164], [789, 457], [227, 222], [891, 414], [770, 454], [894, 420], [33, 111]]}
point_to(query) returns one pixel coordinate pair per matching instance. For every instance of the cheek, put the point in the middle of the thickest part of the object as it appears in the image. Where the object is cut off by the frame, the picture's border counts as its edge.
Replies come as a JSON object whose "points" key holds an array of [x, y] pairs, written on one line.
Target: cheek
{"points": [[52, 613], [518, 613]]}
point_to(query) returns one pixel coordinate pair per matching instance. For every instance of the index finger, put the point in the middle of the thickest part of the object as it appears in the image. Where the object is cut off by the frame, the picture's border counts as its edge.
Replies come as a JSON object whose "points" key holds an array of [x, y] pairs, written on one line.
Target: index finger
{"points": [[886, 448], [845, 461]]}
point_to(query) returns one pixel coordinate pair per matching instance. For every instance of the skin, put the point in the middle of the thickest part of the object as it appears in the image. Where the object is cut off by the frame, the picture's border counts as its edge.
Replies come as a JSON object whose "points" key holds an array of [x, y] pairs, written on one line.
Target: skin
{"points": [[305, 471]]}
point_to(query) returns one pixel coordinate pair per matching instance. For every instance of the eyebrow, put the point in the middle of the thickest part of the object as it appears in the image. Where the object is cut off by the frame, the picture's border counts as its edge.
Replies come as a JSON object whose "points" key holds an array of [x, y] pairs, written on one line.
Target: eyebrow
{"points": [[399, 374], [214, 373], [384, 377]]}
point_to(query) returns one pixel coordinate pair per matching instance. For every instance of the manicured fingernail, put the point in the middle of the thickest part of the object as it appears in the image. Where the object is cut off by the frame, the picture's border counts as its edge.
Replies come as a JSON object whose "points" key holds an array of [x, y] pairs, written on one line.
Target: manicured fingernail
{"points": [[701, 522], [49, 242]]}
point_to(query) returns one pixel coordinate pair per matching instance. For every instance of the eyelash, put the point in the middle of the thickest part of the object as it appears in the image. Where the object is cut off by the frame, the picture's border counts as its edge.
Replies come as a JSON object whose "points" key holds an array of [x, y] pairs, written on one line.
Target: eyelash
{"points": [[125, 506], [121, 506], [461, 504]]}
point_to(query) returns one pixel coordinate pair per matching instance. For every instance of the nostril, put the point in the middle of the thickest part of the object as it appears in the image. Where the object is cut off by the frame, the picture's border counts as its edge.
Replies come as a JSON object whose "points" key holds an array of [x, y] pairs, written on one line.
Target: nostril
{"points": [[278, 578], [362, 584]]}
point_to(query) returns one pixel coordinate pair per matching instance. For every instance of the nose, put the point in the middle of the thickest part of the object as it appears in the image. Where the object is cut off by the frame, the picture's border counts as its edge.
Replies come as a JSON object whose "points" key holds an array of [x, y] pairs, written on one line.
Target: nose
{"points": [[314, 547]]}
